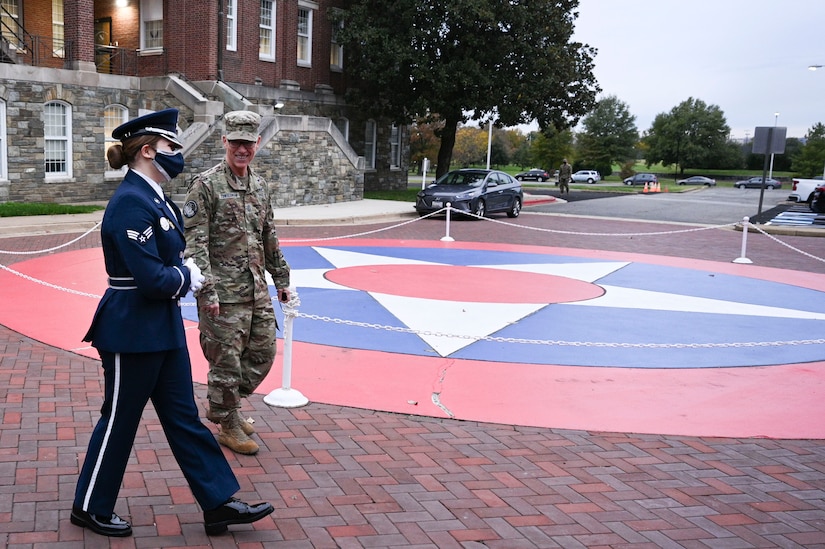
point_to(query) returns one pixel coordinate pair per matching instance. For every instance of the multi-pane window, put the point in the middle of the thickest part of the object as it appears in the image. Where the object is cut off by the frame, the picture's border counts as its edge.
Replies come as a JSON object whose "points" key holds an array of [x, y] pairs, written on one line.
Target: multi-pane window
{"points": [[266, 44], [232, 25], [58, 35], [4, 172], [395, 147], [113, 116], [151, 24], [336, 50], [304, 36], [369, 145], [10, 21], [57, 131]]}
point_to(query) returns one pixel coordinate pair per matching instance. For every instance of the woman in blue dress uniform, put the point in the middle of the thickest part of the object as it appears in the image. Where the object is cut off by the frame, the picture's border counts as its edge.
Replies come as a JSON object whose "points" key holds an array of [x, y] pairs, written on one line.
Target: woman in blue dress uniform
{"points": [[138, 331]]}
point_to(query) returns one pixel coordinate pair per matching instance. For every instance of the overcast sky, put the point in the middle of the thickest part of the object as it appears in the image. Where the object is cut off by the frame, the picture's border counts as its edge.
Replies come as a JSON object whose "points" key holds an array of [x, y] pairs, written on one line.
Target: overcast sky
{"points": [[748, 57]]}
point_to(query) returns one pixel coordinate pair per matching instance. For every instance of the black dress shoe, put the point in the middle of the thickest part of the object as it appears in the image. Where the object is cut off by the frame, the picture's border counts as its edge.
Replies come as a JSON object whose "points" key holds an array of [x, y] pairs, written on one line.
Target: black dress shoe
{"points": [[234, 511], [113, 526]]}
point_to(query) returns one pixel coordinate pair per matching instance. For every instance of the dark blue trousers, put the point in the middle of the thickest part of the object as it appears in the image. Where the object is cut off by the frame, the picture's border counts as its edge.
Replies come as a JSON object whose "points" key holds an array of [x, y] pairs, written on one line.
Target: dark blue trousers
{"points": [[131, 380]]}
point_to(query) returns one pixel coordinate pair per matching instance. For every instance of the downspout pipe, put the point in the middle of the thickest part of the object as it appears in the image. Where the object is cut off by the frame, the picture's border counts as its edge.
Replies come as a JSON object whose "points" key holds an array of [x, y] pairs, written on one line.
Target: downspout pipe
{"points": [[221, 30]]}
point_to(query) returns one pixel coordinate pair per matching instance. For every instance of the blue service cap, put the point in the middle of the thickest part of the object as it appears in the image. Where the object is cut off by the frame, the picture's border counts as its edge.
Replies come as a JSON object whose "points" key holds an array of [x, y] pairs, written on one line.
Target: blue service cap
{"points": [[163, 123]]}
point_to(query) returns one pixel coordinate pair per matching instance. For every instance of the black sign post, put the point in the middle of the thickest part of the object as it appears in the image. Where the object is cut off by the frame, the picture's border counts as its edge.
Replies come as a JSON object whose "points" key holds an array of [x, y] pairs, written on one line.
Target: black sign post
{"points": [[768, 140]]}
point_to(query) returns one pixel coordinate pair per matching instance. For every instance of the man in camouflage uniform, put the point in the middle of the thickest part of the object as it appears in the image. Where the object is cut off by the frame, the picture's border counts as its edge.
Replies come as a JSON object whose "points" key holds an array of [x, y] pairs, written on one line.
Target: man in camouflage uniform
{"points": [[230, 234], [565, 174]]}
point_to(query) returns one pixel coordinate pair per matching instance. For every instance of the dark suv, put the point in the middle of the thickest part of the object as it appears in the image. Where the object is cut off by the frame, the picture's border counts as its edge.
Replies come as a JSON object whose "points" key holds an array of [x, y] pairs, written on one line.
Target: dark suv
{"points": [[818, 201], [641, 179]]}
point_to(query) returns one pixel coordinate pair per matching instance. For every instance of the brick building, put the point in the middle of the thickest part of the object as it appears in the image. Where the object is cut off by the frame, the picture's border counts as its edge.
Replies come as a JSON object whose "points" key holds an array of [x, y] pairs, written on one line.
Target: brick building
{"points": [[73, 70]]}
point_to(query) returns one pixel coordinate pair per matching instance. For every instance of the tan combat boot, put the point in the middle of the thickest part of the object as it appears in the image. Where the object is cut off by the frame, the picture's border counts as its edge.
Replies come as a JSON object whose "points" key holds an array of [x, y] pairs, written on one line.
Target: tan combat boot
{"points": [[246, 425], [233, 437]]}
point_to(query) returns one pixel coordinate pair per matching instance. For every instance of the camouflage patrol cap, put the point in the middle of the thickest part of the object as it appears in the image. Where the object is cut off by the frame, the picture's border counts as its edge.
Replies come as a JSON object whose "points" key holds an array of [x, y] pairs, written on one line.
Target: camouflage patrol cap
{"points": [[242, 125]]}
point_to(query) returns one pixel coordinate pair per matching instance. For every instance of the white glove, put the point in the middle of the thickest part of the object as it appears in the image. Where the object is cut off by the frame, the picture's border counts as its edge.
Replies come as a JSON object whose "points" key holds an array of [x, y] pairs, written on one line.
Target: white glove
{"points": [[195, 277]]}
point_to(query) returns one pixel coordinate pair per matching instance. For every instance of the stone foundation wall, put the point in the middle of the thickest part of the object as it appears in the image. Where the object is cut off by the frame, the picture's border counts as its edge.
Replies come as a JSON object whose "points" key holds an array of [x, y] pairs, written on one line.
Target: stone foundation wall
{"points": [[304, 158]]}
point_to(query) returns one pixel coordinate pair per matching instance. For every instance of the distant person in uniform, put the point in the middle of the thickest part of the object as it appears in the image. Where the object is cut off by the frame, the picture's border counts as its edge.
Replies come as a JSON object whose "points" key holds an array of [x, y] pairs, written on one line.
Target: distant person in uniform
{"points": [[138, 331], [230, 232], [565, 173]]}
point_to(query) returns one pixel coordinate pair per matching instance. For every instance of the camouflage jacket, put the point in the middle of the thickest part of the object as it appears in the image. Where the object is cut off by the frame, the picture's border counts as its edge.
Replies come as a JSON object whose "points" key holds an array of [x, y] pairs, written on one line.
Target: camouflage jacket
{"points": [[230, 233]]}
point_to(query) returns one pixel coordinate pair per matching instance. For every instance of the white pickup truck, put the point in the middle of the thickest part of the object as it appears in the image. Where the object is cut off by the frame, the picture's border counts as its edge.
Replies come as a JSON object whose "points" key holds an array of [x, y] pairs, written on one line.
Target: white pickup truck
{"points": [[802, 190]]}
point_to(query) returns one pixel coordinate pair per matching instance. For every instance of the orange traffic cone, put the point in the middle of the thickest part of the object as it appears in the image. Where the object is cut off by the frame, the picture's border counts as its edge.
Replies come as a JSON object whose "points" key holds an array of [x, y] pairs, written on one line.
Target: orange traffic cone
{"points": [[644, 191], [658, 187]]}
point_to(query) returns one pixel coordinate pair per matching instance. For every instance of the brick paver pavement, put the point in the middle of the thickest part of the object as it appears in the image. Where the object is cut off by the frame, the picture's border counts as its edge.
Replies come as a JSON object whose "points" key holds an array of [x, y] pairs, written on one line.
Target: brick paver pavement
{"points": [[342, 477]]}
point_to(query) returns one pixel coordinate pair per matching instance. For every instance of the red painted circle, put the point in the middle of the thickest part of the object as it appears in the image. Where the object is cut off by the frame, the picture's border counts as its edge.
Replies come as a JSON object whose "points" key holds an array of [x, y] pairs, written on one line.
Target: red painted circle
{"points": [[457, 283]]}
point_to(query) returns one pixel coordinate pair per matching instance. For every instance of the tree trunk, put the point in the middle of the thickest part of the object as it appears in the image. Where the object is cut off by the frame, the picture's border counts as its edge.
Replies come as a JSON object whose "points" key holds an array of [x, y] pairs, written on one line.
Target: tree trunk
{"points": [[445, 151]]}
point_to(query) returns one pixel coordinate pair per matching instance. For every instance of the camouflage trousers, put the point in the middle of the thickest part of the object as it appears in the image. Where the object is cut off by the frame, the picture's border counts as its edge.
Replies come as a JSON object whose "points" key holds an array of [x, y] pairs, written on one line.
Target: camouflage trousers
{"points": [[240, 346]]}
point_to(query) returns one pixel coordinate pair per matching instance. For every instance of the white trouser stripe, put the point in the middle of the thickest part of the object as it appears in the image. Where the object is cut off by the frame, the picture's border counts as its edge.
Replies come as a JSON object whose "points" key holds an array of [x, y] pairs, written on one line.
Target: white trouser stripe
{"points": [[115, 395]]}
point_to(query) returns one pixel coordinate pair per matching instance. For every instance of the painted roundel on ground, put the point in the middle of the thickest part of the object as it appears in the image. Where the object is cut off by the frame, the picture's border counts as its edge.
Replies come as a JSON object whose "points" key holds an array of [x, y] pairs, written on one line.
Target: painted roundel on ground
{"points": [[460, 283], [553, 308]]}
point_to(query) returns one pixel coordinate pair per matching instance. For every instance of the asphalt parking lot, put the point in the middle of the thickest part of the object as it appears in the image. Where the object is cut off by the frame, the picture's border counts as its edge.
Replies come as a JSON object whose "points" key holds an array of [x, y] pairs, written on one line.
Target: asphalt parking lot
{"points": [[713, 206]]}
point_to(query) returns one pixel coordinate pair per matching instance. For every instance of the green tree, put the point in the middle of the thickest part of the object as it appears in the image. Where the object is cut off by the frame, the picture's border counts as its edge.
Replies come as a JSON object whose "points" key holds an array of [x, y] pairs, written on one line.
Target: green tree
{"points": [[550, 147], [810, 161], [727, 157], [500, 151], [467, 60], [784, 162], [609, 135], [781, 162], [521, 156], [690, 136]]}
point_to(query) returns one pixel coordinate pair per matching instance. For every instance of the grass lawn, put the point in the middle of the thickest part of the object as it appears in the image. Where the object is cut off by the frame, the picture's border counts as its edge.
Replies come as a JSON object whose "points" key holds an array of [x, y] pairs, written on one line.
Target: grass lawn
{"points": [[14, 209]]}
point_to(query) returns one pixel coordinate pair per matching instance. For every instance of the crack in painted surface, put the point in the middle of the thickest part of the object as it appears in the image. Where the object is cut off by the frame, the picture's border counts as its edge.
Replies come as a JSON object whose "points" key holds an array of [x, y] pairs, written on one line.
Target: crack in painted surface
{"points": [[439, 385]]}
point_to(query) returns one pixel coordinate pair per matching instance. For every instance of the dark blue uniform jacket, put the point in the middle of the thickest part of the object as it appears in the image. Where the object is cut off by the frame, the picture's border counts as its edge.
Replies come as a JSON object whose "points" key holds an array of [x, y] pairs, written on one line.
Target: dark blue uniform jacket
{"points": [[143, 245]]}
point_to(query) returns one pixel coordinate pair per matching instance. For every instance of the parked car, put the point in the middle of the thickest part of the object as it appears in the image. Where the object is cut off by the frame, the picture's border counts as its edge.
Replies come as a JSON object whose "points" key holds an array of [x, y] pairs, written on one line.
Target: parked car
{"points": [[818, 201], [586, 176], [756, 183], [641, 179], [536, 174], [698, 180], [473, 191]]}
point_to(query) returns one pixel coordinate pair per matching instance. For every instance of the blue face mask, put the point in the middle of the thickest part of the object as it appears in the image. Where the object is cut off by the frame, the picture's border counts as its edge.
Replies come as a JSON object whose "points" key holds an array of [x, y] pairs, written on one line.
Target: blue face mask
{"points": [[169, 164]]}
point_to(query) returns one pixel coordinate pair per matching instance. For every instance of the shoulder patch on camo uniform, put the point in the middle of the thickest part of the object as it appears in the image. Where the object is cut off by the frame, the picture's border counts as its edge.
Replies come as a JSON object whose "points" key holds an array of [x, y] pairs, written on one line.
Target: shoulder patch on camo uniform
{"points": [[190, 208]]}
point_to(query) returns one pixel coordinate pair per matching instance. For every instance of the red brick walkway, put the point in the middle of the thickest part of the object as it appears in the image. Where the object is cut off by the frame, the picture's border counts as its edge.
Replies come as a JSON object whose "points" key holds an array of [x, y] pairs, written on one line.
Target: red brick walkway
{"points": [[343, 478]]}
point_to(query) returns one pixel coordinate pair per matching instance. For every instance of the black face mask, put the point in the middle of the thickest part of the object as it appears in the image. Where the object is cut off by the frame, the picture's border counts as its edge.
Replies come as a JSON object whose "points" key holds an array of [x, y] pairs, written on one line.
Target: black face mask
{"points": [[169, 164]]}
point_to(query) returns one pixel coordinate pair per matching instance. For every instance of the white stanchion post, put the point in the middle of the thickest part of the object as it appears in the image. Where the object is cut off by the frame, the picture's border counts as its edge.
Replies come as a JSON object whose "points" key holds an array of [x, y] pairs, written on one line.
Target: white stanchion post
{"points": [[286, 396], [743, 258], [447, 237]]}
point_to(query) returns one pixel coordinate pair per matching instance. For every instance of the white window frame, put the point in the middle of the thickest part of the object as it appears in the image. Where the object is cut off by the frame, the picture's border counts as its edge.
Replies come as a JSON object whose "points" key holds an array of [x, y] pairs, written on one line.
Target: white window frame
{"points": [[4, 144], [58, 30], [370, 132], [267, 27], [61, 141], [13, 8], [336, 50], [232, 25], [151, 11], [113, 116], [395, 147], [304, 47]]}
